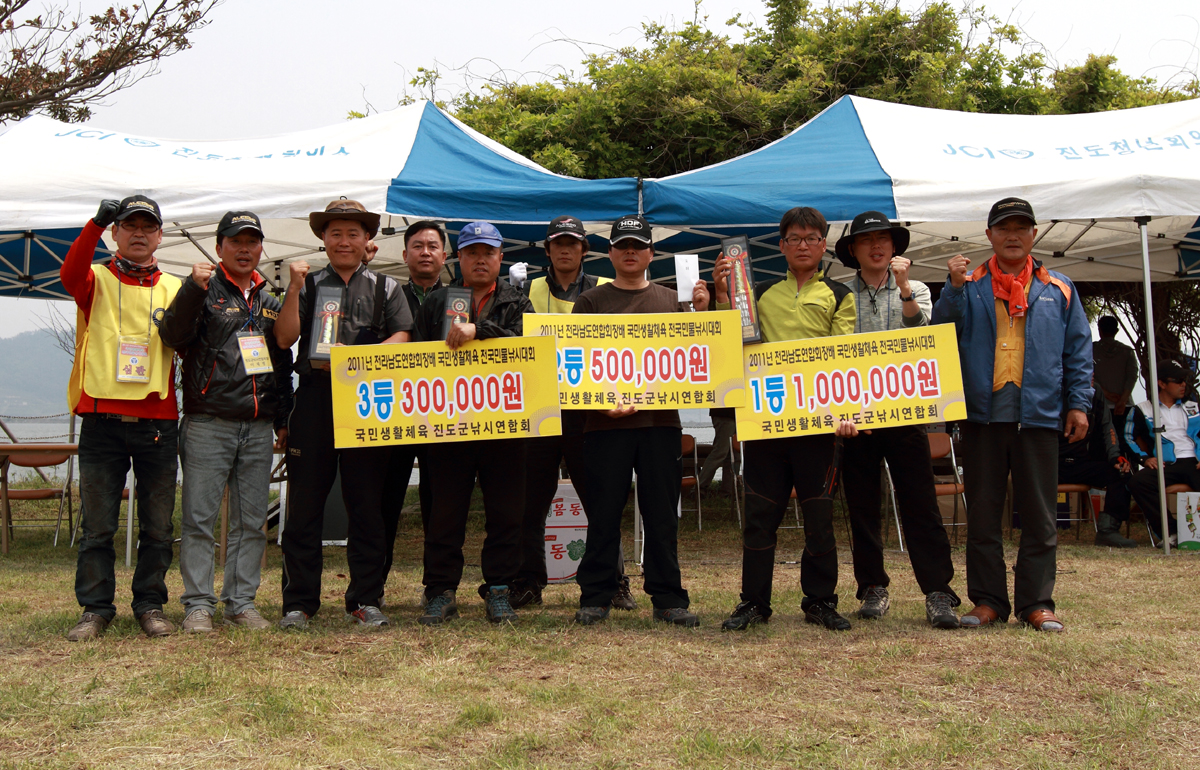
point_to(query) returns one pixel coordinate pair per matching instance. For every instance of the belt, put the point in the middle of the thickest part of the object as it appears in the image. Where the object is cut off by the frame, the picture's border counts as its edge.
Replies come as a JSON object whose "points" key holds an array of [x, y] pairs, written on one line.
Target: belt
{"points": [[123, 417]]}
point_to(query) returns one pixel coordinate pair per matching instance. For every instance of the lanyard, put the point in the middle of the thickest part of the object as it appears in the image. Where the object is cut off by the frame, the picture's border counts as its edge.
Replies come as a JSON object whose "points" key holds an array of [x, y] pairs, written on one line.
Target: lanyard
{"points": [[477, 309], [120, 314], [871, 295]]}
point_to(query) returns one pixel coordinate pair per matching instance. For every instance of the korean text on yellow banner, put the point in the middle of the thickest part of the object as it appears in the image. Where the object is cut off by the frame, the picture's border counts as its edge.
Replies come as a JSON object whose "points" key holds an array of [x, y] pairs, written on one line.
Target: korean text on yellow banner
{"points": [[648, 360], [878, 380], [422, 392]]}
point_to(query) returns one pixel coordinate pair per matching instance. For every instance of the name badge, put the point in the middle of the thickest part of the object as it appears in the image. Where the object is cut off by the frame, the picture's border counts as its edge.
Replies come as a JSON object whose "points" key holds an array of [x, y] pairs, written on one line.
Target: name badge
{"points": [[133, 359], [255, 355]]}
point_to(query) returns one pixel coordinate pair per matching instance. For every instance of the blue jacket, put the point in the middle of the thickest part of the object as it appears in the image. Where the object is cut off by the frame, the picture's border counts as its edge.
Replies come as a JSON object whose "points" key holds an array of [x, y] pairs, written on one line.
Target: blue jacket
{"points": [[1140, 424], [1058, 346]]}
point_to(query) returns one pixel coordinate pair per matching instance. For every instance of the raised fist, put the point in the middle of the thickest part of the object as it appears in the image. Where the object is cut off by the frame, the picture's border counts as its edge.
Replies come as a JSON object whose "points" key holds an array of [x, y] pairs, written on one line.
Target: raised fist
{"points": [[201, 273], [298, 271], [372, 250], [958, 270], [107, 214]]}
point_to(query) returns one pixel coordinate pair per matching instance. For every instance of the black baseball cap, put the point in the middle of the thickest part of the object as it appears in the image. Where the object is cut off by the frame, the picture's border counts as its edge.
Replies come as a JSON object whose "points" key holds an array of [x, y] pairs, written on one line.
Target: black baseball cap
{"points": [[869, 222], [1173, 370], [235, 222], [1010, 207], [566, 225], [632, 226], [139, 204]]}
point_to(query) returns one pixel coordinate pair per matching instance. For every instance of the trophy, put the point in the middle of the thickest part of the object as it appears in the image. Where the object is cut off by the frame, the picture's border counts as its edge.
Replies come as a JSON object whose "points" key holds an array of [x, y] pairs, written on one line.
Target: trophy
{"points": [[458, 308], [741, 286], [326, 322]]}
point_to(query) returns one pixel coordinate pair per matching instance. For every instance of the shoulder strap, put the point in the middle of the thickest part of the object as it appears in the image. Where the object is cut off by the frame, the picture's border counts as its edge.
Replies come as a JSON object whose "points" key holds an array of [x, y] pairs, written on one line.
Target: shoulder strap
{"points": [[310, 289], [380, 301]]}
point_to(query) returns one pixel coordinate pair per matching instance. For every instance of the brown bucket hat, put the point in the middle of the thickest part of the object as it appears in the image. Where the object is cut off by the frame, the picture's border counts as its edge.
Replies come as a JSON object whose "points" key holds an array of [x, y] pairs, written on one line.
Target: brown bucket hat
{"points": [[343, 209]]}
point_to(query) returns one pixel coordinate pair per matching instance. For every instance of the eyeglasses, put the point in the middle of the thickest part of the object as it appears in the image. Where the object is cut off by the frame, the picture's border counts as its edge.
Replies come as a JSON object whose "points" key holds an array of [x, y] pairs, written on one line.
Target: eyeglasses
{"points": [[794, 241], [133, 227], [1173, 381], [630, 243]]}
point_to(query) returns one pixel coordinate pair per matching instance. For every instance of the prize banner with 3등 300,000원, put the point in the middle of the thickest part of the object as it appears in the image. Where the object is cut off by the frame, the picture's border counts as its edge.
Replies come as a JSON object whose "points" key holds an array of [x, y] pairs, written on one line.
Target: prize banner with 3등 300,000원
{"points": [[421, 392], [878, 380], [647, 360]]}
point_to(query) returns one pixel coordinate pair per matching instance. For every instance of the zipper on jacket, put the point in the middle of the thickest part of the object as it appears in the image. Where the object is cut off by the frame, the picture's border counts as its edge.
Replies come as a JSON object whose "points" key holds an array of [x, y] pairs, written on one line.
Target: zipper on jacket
{"points": [[204, 391], [254, 390]]}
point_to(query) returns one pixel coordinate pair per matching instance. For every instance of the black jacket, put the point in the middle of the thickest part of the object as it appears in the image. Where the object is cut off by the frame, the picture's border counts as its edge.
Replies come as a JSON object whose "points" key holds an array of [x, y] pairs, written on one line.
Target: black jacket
{"points": [[505, 319], [202, 326]]}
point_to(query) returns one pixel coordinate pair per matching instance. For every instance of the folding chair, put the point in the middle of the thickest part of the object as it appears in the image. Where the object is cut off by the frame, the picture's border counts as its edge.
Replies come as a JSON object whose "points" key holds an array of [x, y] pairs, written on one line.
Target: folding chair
{"points": [[941, 446], [891, 499], [1173, 489], [691, 477], [1085, 503], [63, 493]]}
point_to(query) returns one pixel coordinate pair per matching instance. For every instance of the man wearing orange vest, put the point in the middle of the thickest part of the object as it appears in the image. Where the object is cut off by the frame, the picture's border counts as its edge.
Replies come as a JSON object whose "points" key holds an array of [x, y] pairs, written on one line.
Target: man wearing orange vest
{"points": [[123, 386]]}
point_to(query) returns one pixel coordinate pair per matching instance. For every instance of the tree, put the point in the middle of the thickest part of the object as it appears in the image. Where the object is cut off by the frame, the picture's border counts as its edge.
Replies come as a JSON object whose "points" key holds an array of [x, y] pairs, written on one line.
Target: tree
{"points": [[60, 63]]}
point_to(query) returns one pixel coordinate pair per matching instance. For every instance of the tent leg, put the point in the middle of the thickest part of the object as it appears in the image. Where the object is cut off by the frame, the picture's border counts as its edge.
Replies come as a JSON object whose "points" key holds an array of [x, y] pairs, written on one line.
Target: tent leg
{"points": [[1152, 386]]}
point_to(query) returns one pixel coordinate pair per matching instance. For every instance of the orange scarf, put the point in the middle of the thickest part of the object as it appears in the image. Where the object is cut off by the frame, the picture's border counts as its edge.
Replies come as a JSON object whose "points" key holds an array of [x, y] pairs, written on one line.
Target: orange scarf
{"points": [[1011, 288]]}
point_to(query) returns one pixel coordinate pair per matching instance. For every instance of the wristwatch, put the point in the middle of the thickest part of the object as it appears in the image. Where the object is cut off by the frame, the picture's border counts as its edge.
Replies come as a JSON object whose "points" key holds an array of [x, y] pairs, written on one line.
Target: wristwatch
{"points": [[906, 299]]}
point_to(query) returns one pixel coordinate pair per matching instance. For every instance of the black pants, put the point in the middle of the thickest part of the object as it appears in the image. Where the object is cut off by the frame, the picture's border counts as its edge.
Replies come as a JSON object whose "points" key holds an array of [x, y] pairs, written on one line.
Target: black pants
{"points": [[313, 464], [544, 454], [1099, 474], [500, 466], [612, 457], [990, 453], [1144, 486], [906, 450], [772, 468], [395, 488]]}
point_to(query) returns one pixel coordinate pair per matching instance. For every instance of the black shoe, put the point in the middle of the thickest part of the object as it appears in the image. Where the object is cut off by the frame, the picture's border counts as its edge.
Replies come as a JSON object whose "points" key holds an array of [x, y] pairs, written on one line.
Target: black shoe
{"points": [[824, 614], [524, 595], [1114, 539], [677, 616], [939, 610], [439, 609], [624, 598], [875, 603], [745, 615], [590, 616], [497, 607]]}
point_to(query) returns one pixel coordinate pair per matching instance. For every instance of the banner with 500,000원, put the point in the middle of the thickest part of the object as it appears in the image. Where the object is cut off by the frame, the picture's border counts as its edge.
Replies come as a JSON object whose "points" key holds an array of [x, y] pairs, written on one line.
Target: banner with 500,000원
{"points": [[421, 392], [878, 380], [648, 360]]}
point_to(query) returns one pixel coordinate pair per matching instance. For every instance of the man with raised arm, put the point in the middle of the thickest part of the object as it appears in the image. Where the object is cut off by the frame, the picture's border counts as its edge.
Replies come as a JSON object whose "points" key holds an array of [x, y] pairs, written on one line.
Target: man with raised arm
{"points": [[1026, 353]]}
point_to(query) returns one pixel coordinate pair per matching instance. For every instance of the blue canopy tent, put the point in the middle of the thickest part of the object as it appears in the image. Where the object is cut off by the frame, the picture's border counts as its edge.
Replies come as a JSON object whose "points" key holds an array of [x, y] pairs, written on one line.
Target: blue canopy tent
{"points": [[29, 262]]}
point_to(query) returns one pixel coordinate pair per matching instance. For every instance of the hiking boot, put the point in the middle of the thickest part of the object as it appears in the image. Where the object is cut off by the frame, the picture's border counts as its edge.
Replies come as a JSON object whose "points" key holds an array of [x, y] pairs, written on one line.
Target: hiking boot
{"points": [[497, 607], [197, 621], [439, 609], [590, 616], [524, 595], [624, 599], [745, 615], [366, 615], [677, 616], [294, 620], [875, 603], [90, 626], [154, 624], [248, 618], [939, 610], [825, 614], [1108, 533]]}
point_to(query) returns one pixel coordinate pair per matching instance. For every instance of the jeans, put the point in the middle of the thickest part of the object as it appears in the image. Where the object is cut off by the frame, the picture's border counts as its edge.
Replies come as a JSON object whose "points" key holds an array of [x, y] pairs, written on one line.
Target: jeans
{"points": [[216, 452], [106, 449]]}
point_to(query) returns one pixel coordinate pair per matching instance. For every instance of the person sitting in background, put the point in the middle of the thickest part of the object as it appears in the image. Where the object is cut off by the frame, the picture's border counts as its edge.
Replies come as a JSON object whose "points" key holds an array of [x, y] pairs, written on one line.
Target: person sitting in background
{"points": [[723, 455]]}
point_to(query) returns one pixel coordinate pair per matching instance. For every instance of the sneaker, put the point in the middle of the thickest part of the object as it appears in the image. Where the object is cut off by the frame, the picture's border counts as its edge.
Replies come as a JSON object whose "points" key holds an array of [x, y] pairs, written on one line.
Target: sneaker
{"points": [[248, 618], [439, 609], [90, 626], [154, 624], [677, 616], [497, 606], [624, 599], [197, 621], [294, 620], [367, 615], [590, 616], [875, 603], [825, 614], [521, 596], [745, 615], [939, 610]]}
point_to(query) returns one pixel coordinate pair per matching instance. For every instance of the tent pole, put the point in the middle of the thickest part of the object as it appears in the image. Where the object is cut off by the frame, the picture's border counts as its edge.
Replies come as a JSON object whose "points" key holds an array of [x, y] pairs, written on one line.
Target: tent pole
{"points": [[1152, 386]]}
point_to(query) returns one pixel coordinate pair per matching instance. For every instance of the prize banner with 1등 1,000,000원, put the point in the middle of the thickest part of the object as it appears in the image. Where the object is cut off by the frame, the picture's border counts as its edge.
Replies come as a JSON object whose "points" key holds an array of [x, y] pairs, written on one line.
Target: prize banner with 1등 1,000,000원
{"points": [[421, 392], [877, 379], [646, 360]]}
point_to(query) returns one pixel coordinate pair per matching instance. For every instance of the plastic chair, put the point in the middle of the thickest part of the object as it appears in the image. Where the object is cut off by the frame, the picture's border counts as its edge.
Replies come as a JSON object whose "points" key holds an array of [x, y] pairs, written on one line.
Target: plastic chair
{"points": [[940, 445], [691, 478], [63, 493]]}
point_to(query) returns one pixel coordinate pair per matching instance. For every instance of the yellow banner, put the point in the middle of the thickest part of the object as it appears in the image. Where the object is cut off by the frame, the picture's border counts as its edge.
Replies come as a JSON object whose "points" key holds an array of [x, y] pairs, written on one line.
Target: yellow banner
{"points": [[878, 380], [649, 360], [421, 392]]}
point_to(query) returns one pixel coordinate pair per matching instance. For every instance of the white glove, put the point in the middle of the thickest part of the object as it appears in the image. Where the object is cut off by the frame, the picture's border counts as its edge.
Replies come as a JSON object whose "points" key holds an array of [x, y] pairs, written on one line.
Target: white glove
{"points": [[517, 274]]}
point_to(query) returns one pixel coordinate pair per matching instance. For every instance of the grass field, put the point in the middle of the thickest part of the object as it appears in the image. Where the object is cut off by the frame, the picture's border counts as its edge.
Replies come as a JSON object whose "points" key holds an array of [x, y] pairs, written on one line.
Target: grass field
{"points": [[1121, 688]]}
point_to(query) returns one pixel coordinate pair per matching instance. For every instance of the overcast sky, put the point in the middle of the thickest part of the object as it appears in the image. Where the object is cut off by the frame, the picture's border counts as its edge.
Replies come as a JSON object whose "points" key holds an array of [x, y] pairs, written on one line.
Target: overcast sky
{"points": [[275, 66]]}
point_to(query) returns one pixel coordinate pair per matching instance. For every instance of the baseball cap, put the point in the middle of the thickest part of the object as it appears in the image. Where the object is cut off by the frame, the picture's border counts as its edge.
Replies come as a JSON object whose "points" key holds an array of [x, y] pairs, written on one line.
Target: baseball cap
{"points": [[479, 232], [139, 204], [1010, 207], [566, 225], [235, 222], [632, 226], [869, 222], [1173, 370]]}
